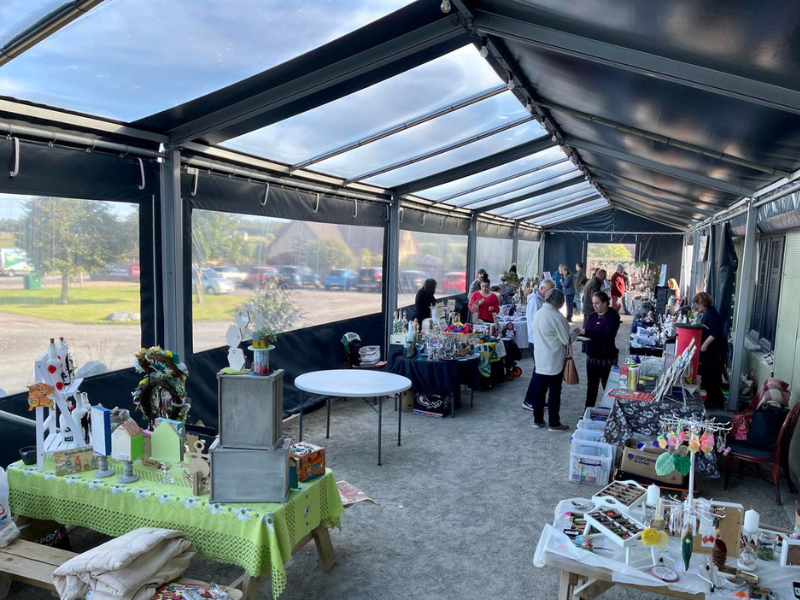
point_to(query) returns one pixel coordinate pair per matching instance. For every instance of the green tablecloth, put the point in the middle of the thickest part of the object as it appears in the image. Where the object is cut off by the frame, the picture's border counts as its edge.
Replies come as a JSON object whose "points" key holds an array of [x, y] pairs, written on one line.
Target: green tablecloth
{"points": [[257, 537]]}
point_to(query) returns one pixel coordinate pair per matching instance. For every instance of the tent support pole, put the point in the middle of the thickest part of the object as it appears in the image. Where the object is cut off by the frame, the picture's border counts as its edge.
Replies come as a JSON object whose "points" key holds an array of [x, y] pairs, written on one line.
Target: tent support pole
{"points": [[743, 289], [390, 270], [472, 249], [515, 244], [172, 275], [695, 248]]}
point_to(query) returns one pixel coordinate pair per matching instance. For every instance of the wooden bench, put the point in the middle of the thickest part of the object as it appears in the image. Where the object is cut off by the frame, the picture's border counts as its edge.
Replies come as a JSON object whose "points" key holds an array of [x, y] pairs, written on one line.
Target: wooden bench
{"points": [[33, 564]]}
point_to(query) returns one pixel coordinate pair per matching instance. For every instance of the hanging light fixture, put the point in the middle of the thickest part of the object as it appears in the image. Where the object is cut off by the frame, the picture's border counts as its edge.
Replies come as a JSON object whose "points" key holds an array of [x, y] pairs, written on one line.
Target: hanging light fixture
{"points": [[510, 84], [529, 107], [484, 51], [445, 6]]}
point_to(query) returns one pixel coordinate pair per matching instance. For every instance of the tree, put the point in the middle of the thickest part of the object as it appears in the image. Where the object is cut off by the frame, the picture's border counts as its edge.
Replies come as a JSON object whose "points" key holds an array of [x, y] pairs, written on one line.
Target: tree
{"points": [[324, 255], [274, 307], [67, 236], [616, 251], [215, 238]]}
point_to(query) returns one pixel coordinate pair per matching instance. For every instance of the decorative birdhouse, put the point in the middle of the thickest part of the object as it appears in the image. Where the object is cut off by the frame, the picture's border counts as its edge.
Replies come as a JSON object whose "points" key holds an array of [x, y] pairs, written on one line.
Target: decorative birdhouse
{"points": [[127, 441], [166, 442]]}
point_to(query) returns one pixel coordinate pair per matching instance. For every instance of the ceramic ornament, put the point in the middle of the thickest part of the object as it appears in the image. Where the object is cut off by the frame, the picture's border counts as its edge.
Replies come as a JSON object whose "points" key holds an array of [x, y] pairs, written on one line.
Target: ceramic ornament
{"points": [[243, 319], [235, 335], [236, 359]]}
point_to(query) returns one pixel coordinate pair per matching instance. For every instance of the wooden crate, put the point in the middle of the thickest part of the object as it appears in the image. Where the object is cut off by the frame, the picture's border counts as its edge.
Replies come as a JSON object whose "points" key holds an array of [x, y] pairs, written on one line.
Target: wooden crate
{"points": [[250, 410], [243, 475], [309, 465]]}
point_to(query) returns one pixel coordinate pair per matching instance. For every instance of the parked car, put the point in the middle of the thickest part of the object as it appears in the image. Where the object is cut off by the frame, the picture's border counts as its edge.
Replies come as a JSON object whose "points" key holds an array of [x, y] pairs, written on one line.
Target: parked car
{"points": [[212, 282], [231, 273], [370, 279], [409, 282], [298, 277], [455, 283], [345, 279], [258, 276]]}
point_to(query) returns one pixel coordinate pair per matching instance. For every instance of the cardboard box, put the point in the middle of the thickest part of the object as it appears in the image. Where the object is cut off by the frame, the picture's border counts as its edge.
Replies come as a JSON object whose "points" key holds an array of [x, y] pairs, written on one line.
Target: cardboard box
{"points": [[307, 465], [643, 462]]}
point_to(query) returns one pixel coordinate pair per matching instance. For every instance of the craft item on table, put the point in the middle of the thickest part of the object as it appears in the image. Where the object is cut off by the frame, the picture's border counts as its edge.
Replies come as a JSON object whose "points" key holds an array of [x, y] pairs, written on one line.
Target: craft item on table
{"points": [[664, 574], [751, 522], [162, 390], [76, 460], [101, 439], [687, 545], [616, 526], [166, 445], [148, 450], [761, 593], [624, 394], [40, 395], [765, 549], [747, 559], [263, 342], [127, 445], [235, 335], [624, 495], [718, 520], [306, 462], [720, 553], [199, 472], [184, 591], [790, 552]]}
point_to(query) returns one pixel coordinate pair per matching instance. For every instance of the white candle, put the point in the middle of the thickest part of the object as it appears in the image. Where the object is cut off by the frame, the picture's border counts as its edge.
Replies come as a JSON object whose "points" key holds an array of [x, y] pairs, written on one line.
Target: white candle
{"points": [[751, 521], [653, 494]]}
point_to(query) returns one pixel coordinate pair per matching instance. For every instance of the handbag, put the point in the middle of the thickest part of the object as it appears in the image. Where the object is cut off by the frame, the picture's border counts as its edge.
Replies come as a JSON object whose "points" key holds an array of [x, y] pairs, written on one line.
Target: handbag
{"points": [[570, 371]]}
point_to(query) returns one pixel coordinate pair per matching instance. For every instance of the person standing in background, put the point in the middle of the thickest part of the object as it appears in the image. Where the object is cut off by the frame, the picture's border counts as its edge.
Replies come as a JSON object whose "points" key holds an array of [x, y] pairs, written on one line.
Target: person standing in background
{"points": [[551, 338], [557, 277], [424, 300], [479, 278], [568, 287], [594, 285], [627, 280], [535, 302], [580, 283], [601, 350], [617, 288], [713, 350], [484, 303]]}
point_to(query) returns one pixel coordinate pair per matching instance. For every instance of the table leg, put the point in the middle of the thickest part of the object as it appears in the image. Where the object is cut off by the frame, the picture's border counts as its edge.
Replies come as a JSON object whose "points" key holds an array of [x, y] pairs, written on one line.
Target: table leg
{"points": [[568, 580], [248, 585], [399, 417], [5, 585], [302, 399], [328, 428], [322, 540], [380, 427], [471, 397]]}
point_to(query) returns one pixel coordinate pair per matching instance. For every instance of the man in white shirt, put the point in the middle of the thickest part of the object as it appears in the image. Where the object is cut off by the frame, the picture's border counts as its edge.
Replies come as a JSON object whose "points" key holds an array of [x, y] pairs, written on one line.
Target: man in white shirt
{"points": [[551, 337], [535, 302]]}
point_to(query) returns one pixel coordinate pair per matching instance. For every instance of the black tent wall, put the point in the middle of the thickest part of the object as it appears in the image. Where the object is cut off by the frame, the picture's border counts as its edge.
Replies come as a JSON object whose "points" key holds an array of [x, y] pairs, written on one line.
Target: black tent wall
{"points": [[570, 247], [722, 275]]}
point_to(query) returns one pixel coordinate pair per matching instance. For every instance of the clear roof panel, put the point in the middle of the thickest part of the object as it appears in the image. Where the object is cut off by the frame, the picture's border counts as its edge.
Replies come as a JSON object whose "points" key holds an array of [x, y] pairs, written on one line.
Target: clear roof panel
{"points": [[447, 129], [484, 177], [127, 59], [536, 199], [449, 78], [481, 149], [514, 211], [518, 187], [17, 15]]}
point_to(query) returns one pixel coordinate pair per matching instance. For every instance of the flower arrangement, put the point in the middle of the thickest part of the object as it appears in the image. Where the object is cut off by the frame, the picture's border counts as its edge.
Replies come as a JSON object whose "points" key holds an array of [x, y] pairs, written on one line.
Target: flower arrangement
{"points": [[264, 337]]}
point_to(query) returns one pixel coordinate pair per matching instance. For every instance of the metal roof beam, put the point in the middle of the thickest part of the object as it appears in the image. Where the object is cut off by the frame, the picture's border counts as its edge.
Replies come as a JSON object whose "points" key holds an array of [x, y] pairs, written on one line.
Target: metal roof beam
{"points": [[362, 58], [706, 210], [652, 65], [649, 217], [662, 139], [441, 150], [428, 116], [650, 186], [651, 165], [548, 208], [44, 28], [582, 193], [561, 216], [478, 188], [550, 188], [476, 166], [520, 187]]}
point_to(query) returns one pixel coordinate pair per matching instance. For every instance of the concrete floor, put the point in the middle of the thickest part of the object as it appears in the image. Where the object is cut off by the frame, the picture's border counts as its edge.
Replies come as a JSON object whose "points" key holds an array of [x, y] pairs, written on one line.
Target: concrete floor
{"points": [[462, 504]]}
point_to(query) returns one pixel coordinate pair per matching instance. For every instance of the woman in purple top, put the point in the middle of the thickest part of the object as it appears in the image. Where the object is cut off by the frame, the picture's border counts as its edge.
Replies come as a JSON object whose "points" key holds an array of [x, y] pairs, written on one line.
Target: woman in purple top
{"points": [[601, 351]]}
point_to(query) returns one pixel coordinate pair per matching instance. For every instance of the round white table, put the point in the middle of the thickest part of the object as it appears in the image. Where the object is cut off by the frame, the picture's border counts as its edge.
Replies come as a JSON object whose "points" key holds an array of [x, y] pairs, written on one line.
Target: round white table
{"points": [[353, 383]]}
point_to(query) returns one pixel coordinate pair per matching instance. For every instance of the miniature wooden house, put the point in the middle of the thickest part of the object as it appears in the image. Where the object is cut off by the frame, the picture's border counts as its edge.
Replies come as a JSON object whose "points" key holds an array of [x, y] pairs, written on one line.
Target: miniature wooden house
{"points": [[127, 441], [166, 442]]}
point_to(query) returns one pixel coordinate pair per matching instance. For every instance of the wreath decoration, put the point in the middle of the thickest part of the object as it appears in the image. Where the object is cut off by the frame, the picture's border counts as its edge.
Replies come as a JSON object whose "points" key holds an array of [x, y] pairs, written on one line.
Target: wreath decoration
{"points": [[162, 391]]}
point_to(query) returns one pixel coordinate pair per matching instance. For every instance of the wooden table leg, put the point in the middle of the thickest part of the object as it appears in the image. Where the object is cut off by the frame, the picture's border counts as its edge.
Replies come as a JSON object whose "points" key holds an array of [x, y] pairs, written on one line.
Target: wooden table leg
{"points": [[568, 580], [322, 540], [5, 584], [248, 585]]}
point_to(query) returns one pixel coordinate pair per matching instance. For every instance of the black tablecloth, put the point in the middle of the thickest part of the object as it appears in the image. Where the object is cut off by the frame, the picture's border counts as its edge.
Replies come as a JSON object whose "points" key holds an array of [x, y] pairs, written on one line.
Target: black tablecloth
{"points": [[656, 351], [435, 376]]}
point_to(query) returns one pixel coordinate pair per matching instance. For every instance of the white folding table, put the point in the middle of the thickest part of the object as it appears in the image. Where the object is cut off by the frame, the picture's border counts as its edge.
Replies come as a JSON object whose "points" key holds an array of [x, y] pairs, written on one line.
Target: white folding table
{"points": [[353, 383]]}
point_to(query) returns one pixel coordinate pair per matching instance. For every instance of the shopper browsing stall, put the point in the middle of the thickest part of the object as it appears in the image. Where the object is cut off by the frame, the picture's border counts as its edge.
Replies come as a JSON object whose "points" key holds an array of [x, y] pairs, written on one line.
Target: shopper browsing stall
{"points": [[601, 352], [595, 284], [424, 300], [617, 288], [485, 303], [482, 276], [580, 283], [535, 302], [551, 338], [568, 287], [713, 349]]}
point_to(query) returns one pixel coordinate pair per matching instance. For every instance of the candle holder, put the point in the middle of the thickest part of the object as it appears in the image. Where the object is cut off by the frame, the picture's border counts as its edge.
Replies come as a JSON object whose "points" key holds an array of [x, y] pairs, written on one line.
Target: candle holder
{"points": [[747, 557], [127, 473], [103, 470]]}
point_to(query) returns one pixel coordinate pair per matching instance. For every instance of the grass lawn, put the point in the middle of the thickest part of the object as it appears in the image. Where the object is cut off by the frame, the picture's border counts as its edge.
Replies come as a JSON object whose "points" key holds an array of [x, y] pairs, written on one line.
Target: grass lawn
{"points": [[92, 304]]}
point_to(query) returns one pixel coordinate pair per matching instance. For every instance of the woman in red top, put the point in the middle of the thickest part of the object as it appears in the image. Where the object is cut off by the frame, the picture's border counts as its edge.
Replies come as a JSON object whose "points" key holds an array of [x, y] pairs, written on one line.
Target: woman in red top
{"points": [[485, 303]]}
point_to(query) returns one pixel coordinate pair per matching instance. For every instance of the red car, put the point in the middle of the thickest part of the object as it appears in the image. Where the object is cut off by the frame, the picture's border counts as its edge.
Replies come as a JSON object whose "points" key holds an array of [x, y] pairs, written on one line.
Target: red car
{"points": [[258, 276], [455, 283]]}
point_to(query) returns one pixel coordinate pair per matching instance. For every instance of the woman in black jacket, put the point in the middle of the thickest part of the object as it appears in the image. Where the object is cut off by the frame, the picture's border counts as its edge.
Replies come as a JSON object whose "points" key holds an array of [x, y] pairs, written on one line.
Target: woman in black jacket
{"points": [[601, 350], [424, 300]]}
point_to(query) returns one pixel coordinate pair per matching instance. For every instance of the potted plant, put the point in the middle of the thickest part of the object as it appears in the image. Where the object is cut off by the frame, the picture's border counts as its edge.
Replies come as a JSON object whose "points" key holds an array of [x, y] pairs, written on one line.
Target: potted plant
{"points": [[264, 339]]}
